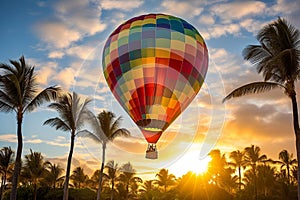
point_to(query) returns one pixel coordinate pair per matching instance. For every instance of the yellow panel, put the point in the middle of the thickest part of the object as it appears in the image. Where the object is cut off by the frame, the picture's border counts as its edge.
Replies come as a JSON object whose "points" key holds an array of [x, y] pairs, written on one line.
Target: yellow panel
{"points": [[148, 60], [149, 21], [176, 44], [199, 39], [113, 45], [161, 53], [172, 103], [130, 85], [123, 33], [107, 59], [165, 101], [190, 40], [136, 23]]}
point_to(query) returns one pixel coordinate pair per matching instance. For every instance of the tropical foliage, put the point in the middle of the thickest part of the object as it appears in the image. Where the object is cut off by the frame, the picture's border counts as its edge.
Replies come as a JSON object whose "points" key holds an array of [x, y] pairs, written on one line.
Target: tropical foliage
{"points": [[261, 179]]}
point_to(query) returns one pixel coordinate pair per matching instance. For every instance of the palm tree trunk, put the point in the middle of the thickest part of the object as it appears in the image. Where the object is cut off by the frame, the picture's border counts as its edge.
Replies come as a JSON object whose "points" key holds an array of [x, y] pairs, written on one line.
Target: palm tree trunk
{"points": [[17, 168], [66, 186], [240, 179], [101, 172], [112, 189], [35, 191], [297, 133]]}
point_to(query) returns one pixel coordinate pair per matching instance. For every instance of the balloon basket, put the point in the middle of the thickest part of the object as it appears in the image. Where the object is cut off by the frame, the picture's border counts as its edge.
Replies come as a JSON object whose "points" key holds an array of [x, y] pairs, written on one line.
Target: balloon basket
{"points": [[151, 152]]}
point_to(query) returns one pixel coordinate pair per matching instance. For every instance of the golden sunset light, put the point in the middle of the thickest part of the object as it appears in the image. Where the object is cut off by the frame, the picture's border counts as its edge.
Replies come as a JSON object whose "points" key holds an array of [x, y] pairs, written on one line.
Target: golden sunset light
{"points": [[150, 100]]}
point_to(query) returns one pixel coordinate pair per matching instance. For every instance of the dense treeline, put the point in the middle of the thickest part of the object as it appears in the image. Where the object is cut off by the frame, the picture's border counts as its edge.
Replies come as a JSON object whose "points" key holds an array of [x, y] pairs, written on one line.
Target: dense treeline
{"points": [[241, 174]]}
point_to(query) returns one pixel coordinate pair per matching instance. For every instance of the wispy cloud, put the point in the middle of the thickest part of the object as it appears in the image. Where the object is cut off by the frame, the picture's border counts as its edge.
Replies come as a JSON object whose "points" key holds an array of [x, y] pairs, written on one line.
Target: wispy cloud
{"points": [[120, 5], [182, 8], [238, 9]]}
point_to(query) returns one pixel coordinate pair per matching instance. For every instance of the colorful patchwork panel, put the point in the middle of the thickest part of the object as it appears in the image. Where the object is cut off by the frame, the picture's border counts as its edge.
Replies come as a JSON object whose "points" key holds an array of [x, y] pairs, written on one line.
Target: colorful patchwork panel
{"points": [[155, 65]]}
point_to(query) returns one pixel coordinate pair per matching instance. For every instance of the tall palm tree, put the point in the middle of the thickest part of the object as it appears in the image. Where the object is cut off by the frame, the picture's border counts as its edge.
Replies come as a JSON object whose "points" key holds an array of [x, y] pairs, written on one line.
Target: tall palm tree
{"points": [[277, 58], [19, 93], [72, 111], [105, 129], [6, 162], [112, 174], [287, 161], [79, 177], [128, 179], [53, 174], [252, 158], [34, 168], [164, 179], [237, 158]]}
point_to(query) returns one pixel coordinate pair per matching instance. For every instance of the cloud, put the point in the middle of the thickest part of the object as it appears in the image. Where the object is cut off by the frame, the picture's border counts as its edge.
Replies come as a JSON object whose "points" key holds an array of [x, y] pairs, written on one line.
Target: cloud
{"points": [[56, 54], [8, 138], [120, 5], [238, 10], [57, 34], [72, 21], [83, 52], [181, 8]]}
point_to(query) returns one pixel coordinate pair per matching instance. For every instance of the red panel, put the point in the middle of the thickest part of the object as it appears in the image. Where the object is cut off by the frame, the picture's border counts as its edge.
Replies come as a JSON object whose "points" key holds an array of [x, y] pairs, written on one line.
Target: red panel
{"points": [[150, 136]]}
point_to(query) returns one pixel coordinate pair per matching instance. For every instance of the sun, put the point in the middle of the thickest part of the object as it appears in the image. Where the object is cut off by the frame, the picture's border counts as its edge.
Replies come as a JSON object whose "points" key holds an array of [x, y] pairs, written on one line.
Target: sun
{"points": [[190, 162], [197, 165]]}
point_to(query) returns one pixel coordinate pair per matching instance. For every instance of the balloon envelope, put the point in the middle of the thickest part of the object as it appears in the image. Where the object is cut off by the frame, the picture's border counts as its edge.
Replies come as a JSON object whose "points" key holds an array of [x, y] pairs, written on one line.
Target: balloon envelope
{"points": [[155, 65]]}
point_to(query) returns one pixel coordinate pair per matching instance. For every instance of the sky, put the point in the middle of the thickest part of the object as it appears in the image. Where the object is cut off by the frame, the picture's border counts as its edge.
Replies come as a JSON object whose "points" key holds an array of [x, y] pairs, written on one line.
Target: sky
{"points": [[64, 41]]}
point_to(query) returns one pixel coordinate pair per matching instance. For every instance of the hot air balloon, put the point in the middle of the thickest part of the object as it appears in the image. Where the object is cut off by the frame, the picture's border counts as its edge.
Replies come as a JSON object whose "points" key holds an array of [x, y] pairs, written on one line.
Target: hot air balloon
{"points": [[154, 65]]}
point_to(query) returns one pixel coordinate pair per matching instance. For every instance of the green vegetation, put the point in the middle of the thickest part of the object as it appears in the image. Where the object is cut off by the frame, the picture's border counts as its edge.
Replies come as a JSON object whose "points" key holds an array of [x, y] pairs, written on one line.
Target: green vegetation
{"points": [[262, 179]]}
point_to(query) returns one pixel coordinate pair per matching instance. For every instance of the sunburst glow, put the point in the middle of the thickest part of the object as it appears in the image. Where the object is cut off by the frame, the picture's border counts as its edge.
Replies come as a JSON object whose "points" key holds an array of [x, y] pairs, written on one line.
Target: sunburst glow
{"points": [[190, 162]]}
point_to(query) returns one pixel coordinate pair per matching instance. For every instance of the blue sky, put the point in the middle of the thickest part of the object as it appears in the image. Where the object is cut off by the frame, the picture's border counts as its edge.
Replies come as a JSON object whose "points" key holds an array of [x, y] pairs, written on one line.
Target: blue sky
{"points": [[64, 41]]}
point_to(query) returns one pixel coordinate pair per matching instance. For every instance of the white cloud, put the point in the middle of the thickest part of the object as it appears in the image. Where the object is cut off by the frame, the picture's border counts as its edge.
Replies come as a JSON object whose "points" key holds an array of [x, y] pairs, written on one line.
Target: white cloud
{"points": [[33, 141], [73, 21], [218, 30], [8, 138], [286, 6], [56, 54], [83, 52], [57, 34], [238, 10], [120, 4], [206, 19], [66, 77], [182, 8]]}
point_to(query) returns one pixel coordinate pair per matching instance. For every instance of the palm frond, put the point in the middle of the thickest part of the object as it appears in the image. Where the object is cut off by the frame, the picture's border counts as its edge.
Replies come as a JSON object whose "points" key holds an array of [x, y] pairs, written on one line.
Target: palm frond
{"points": [[58, 123], [45, 95], [120, 132], [6, 107], [88, 134], [252, 88]]}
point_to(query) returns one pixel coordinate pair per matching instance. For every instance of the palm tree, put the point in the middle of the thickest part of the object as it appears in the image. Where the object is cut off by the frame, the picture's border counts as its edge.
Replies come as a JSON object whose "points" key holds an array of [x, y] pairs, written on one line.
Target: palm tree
{"points": [[72, 112], [6, 162], [79, 177], [148, 190], [277, 58], [252, 158], [19, 93], [165, 179], [112, 174], [53, 174], [238, 162], [105, 129], [128, 179], [34, 168], [287, 161]]}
